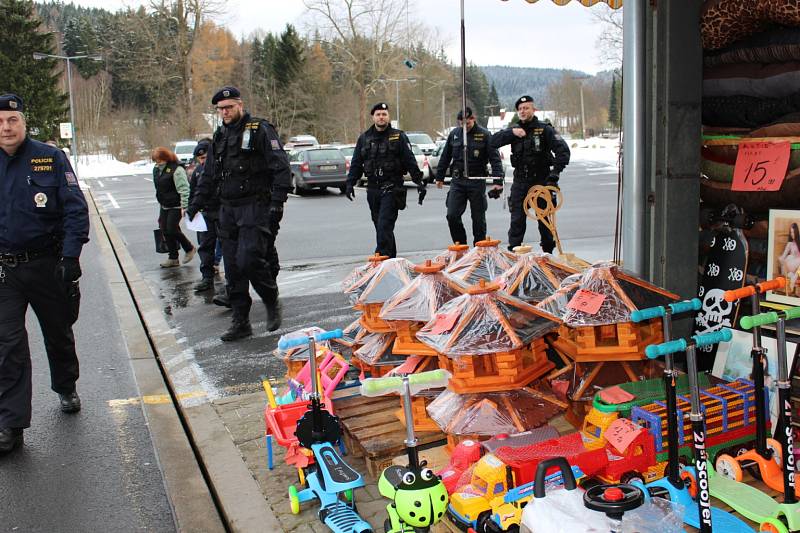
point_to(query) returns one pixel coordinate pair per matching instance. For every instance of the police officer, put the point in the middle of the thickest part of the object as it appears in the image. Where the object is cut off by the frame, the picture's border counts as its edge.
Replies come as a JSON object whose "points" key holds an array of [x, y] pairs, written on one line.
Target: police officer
{"points": [[383, 154], [472, 188], [538, 155], [44, 224], [245, 159], [206, 240]]}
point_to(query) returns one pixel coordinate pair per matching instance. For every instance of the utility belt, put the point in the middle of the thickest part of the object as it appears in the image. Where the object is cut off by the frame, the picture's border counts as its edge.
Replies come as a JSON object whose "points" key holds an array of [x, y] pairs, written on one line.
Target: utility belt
{"points": [[12, 259], [383, 182], [245, 200], [477, 174]]}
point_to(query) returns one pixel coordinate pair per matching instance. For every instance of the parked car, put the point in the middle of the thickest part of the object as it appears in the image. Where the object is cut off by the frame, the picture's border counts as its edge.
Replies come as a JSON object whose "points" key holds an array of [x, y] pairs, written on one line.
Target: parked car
{"points": [[422, 162], [423, 140], [347, 151], [318, 167], [299, 141], [185, 151], [433, 162]]}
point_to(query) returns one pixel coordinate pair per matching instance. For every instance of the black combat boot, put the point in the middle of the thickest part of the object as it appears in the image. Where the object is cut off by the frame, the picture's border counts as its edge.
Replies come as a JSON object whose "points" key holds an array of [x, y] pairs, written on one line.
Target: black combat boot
{"points": [[205, 284], [239, 330], [70, 403], [221, 299], [10, 438], [273, 305]]}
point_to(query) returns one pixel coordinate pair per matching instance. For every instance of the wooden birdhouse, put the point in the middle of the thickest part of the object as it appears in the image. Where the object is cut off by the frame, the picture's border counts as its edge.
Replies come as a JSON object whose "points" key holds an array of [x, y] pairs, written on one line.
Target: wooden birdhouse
{"points": [[535, 276], [416, 304], [386, 280], [375, 356], [355, 282], [486, 261], [451, 256], [597, 329], [489, 341]]}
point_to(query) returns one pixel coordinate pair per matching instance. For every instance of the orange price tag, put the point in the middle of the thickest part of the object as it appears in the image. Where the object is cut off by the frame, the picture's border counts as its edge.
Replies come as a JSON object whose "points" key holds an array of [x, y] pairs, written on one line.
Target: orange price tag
{"points": [[761, 166], [586, 301], [444, 322], [621, 432]]}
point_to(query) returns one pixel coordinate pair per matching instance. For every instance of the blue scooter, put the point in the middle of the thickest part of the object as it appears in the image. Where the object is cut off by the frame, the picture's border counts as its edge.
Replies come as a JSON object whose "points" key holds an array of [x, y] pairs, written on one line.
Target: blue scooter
{"points": [[330, 479]]}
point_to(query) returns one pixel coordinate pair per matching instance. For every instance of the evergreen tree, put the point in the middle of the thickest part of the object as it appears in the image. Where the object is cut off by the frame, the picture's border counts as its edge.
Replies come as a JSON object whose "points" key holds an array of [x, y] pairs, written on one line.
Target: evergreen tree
{"points": [[36, 81], [80, 39], [613, 104], [494, 101], [477, 92], [289, 57]]}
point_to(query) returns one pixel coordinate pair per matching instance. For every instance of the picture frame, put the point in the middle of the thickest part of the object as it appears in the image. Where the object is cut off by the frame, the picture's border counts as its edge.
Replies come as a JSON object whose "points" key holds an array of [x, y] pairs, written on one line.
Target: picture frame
{"points": [[783, 254], [733, 361]]}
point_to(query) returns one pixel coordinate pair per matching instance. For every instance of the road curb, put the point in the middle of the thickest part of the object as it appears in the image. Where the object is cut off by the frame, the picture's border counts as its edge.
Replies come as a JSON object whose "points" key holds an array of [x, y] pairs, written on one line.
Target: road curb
{"points": [[238, 496]]}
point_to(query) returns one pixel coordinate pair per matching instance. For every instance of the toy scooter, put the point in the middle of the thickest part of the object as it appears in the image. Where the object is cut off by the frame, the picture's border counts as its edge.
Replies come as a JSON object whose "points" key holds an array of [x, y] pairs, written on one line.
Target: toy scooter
{"points": [[419, 498], [783, 467], [680, 484], [763, 461], [704, 511], [329, 479]]}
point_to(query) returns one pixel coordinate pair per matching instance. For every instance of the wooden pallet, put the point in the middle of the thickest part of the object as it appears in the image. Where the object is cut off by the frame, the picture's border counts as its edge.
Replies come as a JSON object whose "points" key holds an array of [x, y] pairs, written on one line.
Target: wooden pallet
{"points": [[372, 431]]}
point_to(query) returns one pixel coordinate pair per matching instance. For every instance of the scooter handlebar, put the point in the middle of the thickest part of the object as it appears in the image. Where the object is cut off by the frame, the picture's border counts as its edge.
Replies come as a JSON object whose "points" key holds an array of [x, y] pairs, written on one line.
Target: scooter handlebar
{"points": [[749, 322], [776, 283], [686, 305], [749, 290], [640, 315], [327, 335], [394, 384], [715, 337], [665, 348], [792, 313]]}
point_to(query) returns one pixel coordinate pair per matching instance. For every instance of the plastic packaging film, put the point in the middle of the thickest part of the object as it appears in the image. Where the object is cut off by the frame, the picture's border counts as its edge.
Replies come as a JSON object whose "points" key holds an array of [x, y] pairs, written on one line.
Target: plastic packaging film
{"points": [[386, 280], [374, 348], [534, 277], [419, 300], [478, 324], [486, 261], [356, 281], [450, 256]]}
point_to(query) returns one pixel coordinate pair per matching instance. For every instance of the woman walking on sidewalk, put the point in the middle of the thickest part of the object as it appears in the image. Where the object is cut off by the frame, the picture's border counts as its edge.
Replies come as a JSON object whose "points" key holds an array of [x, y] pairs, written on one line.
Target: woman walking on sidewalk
{"points": [[172, 193]]}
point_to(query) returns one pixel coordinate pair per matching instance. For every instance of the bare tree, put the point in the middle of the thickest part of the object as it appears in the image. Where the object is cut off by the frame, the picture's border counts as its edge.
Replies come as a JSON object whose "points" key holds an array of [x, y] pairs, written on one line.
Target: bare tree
{"points": [[609, 42], [367, 38]]}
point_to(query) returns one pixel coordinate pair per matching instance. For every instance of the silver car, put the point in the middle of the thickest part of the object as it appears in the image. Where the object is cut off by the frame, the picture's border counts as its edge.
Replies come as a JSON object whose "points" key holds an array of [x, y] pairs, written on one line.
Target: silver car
{"points": [[318, 167]]}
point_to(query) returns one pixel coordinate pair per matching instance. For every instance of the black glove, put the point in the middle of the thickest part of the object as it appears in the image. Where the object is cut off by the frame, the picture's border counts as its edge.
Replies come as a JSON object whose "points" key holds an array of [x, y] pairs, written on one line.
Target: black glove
{"points": [[350, 192], [191, 211], [422, 191], [68, 269], [494, 193], [552, 180]]}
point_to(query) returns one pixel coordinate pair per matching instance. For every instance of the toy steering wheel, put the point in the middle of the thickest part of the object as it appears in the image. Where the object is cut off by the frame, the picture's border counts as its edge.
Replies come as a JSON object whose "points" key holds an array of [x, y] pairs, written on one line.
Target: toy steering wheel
{"points": [[613, 500]]}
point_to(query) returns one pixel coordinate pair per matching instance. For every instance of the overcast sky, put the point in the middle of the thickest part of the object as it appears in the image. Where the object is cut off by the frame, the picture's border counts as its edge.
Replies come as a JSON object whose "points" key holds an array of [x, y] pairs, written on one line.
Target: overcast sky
{"points": [[498, 32]]}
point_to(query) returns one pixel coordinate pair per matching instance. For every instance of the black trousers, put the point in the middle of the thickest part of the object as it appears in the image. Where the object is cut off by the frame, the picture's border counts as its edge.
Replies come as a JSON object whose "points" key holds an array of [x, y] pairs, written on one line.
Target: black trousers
{"points": [[463, 190], [244, 232], [56, 306], [275, 217], [207, 245], [519, 222], [169, 220], [383, 208]]}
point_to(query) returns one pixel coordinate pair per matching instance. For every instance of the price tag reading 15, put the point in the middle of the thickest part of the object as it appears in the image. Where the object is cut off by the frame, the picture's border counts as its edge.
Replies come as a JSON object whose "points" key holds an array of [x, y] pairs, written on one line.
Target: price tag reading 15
{"points": [[761, 166]]}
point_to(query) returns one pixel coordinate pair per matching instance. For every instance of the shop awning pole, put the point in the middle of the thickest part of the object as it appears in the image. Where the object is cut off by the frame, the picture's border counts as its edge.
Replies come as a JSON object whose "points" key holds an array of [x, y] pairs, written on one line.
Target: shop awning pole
{"points": [[464, 92], [634, 138]]}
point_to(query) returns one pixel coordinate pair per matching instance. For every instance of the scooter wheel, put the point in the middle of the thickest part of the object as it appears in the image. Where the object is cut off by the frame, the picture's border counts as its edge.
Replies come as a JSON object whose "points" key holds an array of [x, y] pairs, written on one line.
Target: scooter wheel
{"points": [[690, 482], [294, 500], [773, 525], [728, 467]]}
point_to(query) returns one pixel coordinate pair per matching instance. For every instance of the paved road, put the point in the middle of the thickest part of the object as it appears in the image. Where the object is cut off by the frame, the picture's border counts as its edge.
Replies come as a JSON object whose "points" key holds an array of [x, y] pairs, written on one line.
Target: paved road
{"points": [[95, 470], [323, 236]]}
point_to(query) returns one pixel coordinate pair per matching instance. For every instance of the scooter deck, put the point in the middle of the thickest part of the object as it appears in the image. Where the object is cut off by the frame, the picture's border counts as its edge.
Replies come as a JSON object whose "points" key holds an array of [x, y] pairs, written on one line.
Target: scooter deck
{"points": [[746, 500], [721, 520], [337, 476]]}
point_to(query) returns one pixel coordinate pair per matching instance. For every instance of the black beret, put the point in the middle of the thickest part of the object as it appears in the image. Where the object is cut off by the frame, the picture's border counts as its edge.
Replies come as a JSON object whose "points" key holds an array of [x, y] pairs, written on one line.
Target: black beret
{"points": [[201, 149], [11, 102], [522, 100], [379, 106], [460, 113], [225, 93]]}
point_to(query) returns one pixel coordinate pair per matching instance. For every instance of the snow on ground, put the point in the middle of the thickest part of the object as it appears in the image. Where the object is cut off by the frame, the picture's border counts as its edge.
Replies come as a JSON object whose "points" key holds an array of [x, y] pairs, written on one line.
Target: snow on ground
{"points": [[595, 149], [105, 166]]}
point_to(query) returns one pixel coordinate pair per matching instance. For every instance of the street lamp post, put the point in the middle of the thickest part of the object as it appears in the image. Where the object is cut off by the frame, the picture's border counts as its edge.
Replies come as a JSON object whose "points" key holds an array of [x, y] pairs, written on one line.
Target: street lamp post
{"points": [[73, 140], [580, 79], [397, 93]]}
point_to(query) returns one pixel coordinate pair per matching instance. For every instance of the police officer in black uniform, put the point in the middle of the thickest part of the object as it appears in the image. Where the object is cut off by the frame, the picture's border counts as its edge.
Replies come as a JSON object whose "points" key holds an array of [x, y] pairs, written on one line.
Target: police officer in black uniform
{"points": [[44, 224], [245, 159], [206, 240], [472, 188], [383, 154], [538, 155]]}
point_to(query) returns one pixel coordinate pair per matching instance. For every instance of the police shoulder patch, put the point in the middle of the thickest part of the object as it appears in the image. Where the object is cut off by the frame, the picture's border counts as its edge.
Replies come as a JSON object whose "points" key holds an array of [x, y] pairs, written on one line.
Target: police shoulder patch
{"points": [[72, 181], [275, 144]]}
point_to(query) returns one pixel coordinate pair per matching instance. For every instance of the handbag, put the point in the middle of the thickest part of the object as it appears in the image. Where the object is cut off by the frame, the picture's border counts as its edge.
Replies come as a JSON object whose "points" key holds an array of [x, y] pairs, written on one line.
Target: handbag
{"points": [[161, 244]]}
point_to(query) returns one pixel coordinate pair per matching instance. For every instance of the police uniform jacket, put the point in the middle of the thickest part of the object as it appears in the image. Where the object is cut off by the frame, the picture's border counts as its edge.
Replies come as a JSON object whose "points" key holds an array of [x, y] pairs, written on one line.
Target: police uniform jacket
{"points": [[533, 155], [244, 161], [383, 157], [41, 204], [479, 153]]}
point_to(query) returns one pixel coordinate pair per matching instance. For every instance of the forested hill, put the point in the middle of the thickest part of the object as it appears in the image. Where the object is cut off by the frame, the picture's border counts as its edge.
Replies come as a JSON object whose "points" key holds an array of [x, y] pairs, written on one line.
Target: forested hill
{"points": [[513, 82]]}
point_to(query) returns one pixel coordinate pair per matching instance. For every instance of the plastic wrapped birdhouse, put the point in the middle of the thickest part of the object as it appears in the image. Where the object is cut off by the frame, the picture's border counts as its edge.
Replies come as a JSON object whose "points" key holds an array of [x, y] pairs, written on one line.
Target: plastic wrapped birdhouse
{"points": [[451, 256], [387, 280], [535, 276], [489, 341], [596, 307], [486, 261], [416, 304], [355, 282], [375, 354]]}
